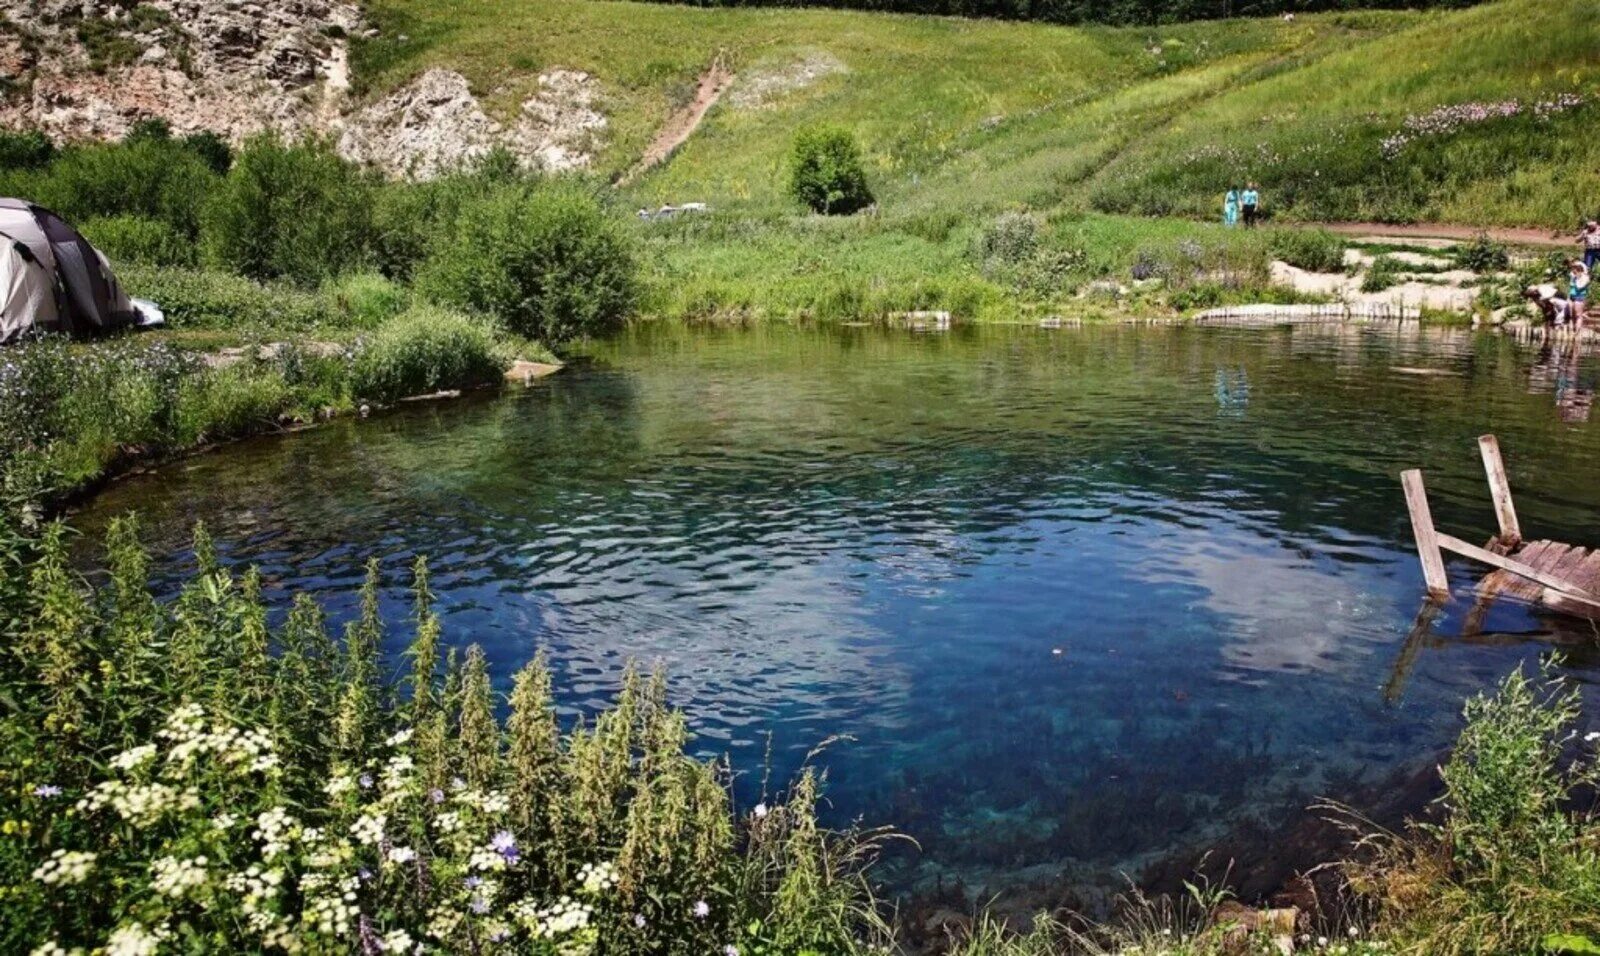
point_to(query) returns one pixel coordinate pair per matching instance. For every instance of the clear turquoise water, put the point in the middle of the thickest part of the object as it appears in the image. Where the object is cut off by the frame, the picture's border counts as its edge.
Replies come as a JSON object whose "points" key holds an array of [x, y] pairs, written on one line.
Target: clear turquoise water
{"points": [[1082, 600]]}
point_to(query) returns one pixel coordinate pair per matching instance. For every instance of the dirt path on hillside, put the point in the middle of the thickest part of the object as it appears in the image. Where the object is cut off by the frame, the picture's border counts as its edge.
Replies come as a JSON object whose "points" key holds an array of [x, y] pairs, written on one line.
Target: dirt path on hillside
{"points": [[1380, 230], [681, 125]]}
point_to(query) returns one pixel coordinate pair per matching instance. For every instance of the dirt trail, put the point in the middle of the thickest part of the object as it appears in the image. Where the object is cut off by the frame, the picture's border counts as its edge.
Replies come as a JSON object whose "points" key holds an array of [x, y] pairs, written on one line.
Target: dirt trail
{"points": [[681, 125], [1520, 237]]}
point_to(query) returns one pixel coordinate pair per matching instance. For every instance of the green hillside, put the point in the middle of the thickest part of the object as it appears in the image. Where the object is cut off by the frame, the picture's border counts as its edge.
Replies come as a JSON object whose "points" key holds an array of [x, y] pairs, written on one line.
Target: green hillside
{"points": [[1120, 140]]}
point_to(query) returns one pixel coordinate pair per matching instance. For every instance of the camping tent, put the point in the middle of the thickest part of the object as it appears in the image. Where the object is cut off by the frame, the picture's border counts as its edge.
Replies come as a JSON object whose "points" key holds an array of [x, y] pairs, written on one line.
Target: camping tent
{"points": [[53, 280]]}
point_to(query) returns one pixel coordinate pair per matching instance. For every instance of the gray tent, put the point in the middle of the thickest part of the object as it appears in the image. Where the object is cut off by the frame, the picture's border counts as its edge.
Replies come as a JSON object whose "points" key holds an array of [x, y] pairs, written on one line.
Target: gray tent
{"points": [[53, 280]]}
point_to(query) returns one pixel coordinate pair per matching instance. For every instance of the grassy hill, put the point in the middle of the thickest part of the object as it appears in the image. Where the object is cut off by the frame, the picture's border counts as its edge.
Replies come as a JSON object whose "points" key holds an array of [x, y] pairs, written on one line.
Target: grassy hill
{"points": [[963, 119]]}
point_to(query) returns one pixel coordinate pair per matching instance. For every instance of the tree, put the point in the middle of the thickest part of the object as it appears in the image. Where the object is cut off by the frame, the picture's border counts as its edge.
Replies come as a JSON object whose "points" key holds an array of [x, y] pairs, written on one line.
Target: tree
{"points": [[826, 172]]}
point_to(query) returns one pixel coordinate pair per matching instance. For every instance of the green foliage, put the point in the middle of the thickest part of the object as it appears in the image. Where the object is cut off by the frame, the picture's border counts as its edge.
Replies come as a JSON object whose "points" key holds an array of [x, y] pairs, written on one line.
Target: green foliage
{"points": [[212, 149], [1316, 250], [1008, 239], [364, 300], [1086, 11], [543, 258], [149, 129], [289, 210], [825, 172], [1482, 255], [25, 149], [1384, 272], [425, 350], [137, 239], [151, 178], [207, 299], [185, 771]]}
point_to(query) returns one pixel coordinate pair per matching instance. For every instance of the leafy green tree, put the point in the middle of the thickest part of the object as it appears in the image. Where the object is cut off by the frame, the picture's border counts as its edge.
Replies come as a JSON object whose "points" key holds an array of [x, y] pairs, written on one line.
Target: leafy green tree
{"points": [[826, 172]]}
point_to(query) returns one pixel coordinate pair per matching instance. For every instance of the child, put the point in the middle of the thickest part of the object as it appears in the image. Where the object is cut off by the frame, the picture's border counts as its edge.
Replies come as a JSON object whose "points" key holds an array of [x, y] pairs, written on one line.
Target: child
{"points": [[1578, 290]]}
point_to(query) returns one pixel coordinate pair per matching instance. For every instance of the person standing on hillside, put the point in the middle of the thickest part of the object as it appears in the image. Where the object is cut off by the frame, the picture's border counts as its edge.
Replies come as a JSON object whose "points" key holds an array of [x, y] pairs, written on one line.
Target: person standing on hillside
{"points": [[1252, 203], [1230, 208], [1589, 238]]}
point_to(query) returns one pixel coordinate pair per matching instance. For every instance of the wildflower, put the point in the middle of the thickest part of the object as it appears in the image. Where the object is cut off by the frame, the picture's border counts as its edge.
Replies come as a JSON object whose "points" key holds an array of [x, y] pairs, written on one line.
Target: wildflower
{"points": [[505, 844], [53, 948], [401, 854], [134, 757], [760, 811], [223, 821], [473, 882], [638, 921], [368, 828], [400, 738], [596, 878], [702, 909], [730, 950], [1591, 736], [171, 876], [134, 940], [436, 795], [65, 867], [366, 781], [338, 784], [397, 941], [478, 905], [47, 790]]}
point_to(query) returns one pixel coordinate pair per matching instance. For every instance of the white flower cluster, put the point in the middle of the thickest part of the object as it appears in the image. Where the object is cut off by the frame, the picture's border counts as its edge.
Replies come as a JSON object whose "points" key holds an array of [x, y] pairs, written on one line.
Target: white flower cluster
{"points": [[65, 867], [368, 828], [275, 830], [53, 948], [339, 783], [561, 918], [596, 878], [141, 803], [255, 888], [135, 940], [186, 731], [330, 903], [171, 876], [133, 758]]}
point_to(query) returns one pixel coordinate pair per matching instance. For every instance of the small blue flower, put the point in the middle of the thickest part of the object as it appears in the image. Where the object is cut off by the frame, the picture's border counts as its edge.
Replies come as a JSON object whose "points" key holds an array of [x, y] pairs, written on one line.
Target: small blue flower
{"points": [[47, 790]]}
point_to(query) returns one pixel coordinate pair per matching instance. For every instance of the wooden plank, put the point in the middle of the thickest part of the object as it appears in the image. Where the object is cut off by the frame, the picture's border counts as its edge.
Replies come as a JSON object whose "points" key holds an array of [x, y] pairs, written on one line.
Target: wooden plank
{"points": [[1574, 604], [1503, 584], [1500, 490], [1588, 574], [1510, 564], [1567, 568], [1433, 572]]}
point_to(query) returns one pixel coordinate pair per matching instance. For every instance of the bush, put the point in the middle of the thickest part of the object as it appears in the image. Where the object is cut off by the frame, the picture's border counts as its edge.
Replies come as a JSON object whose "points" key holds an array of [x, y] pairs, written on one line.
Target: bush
{"points": [[1482, 255], [25, 149], [151, 128], [1316, 250], [428, 349], [542, 257], [136, 239], [1008, 239], [212, 149], [1384, 272], [289, 210], [205, 299], [152, 179], [216, 405], [826, 173]]}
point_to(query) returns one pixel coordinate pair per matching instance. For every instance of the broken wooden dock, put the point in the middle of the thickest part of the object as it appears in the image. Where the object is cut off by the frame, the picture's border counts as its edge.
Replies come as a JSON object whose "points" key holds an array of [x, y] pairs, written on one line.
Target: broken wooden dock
{"points": [[1553, 574]]}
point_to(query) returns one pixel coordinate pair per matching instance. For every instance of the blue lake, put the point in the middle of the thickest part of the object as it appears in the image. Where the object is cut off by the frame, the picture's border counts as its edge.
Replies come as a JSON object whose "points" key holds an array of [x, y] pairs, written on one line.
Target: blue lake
{"points": [[1067, 605]]}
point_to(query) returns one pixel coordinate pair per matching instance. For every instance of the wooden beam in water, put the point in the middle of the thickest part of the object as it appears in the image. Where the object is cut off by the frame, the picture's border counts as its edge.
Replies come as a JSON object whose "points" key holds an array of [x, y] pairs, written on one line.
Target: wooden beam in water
{"points": [[1500, 489], [1433, 572], [1452, 543]]}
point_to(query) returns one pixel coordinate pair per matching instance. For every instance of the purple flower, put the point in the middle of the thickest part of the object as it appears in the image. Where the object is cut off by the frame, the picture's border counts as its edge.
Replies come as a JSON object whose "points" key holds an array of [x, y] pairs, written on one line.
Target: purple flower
{"points": [[702, 909], [365, 781], [473, 882], [730, 950], [638, 920], [499, 935], [364, 874], [436, 795], [479, 905], [47, 790], [505, 844]]}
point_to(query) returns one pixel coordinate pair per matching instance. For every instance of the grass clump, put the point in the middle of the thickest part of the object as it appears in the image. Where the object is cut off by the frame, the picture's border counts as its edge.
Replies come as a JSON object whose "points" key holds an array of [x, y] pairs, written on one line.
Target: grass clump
{"points": [[1384, 273], [1482, 255], [141, 240], [1316, 250], [424, 350], [200, 771], [220, 301]]}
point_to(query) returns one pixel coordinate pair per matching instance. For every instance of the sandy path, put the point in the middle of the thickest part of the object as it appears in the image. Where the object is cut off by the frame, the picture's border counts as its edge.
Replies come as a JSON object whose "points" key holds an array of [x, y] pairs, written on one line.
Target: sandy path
{"points": [[1520, 237], [681, 125]]}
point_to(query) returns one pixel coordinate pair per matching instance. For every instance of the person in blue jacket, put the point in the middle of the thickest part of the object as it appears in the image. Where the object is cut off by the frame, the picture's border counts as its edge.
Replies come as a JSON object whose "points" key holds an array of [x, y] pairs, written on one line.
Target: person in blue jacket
{"points": [[1252, 203], [1230, 208]]}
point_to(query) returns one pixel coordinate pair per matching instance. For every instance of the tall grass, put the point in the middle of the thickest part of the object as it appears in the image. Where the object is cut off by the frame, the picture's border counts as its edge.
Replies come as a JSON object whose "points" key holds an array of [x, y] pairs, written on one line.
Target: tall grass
{"points": [[191, 775]]}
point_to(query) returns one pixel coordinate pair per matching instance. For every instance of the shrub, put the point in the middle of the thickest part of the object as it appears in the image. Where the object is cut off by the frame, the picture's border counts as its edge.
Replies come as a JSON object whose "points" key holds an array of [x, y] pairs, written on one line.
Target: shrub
{"points": [[212, 149], [1384, 272], [425, 350], [137, 239], [289, 210], [826, 173], [151, 128], [542, 257], [1316, 250], [206, 299], [25, 149], [153, 179], [1008, 239], [1482, 254], [216, 405]]}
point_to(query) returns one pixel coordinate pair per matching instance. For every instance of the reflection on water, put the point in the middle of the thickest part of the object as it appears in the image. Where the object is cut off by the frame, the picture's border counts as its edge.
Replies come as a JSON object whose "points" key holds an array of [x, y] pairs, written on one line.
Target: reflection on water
{"points": [[1081, 599]]}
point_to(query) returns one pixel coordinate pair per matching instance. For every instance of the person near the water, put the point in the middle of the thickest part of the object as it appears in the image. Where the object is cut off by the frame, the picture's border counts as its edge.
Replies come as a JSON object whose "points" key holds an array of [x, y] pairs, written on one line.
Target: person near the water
{"points": [[1589, 238], [1550, 305], [1230, 208], [1578, 290], [1252, 202]]}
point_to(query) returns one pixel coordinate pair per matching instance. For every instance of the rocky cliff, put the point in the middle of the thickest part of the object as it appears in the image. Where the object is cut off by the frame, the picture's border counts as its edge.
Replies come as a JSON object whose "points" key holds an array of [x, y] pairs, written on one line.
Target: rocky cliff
{"points": [[90, 69]]}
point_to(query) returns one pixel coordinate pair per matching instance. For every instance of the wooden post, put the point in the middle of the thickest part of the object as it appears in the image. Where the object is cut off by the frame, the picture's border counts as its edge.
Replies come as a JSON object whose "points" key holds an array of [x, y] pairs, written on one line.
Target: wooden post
{"points": [[1500, 489], [1427, 538]]}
